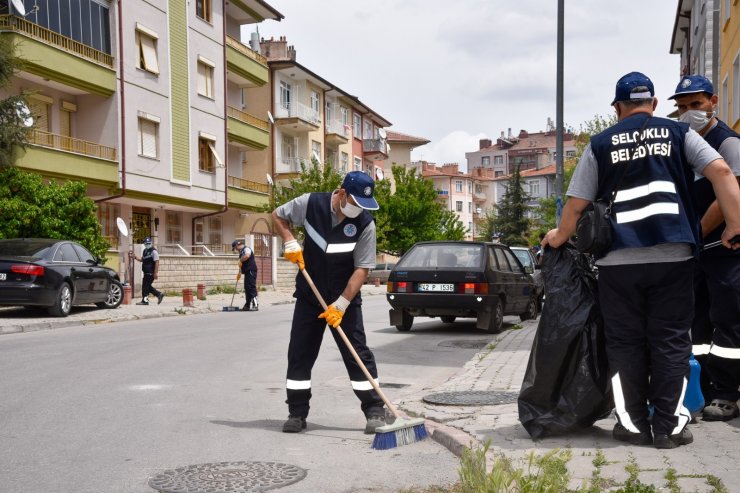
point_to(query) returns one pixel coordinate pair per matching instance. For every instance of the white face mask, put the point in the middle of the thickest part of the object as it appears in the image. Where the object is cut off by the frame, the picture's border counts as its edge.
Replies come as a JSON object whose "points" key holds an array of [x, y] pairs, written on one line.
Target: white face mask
{"points": [[697, 119], [349, 210]]}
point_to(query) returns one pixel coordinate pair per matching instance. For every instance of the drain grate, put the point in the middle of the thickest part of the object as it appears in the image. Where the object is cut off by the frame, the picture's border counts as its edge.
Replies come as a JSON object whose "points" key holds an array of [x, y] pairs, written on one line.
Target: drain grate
{"points": [[227, 477], [462, 344], [472, 398]]}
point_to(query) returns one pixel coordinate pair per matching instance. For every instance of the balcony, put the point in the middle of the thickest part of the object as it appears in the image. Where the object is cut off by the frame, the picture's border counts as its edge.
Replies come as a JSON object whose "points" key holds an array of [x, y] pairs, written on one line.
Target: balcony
{"points": [[247, 194], [60, 59], [479, 197], [247, 129], [337, 133], [297, 116], [65, 157], [375, 149], [291, 164], [245, 63]]}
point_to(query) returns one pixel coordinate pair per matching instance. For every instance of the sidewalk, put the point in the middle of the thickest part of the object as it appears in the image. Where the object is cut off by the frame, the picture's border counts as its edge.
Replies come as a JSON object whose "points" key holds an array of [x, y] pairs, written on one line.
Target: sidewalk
{"points": [[715, 452], [500, 367]]}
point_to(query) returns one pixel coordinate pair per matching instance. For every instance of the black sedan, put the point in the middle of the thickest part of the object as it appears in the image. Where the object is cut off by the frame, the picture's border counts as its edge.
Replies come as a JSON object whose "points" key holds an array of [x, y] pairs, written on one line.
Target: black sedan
{"points": [[451, 279], [55, 274]]}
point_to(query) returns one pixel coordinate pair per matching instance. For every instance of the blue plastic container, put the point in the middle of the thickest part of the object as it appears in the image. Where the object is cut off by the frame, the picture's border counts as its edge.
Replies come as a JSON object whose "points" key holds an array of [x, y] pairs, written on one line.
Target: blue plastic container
{"points": [[694, 399]]}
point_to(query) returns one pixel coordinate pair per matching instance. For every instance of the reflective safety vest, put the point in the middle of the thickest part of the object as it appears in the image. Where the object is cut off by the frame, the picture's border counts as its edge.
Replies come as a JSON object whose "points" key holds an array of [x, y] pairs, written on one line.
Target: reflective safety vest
{"points": [[328, 251], [654, 203]]}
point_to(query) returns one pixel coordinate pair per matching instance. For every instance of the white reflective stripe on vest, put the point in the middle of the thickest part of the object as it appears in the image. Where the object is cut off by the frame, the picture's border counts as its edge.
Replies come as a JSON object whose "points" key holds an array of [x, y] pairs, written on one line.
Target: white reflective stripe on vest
{"points": [[340, 247], [725, 352], [619, 405], [315, 236], [364, 384], [700, 349], [645, 190], [298, 384], [650, 210], [683, 414]]}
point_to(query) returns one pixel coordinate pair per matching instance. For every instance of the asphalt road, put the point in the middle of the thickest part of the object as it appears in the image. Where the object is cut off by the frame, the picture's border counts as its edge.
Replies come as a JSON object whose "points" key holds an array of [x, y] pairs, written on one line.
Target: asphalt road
{"points": [[104, 408]]}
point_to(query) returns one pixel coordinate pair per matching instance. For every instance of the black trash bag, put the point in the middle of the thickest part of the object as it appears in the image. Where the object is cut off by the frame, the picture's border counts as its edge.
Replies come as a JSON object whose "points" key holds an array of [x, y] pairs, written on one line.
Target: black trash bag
{"points": [[566, 386]]}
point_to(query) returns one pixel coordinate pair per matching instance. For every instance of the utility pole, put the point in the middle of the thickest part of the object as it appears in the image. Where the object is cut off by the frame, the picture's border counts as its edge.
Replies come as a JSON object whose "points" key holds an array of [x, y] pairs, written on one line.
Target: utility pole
{"points": [[559, 171]]}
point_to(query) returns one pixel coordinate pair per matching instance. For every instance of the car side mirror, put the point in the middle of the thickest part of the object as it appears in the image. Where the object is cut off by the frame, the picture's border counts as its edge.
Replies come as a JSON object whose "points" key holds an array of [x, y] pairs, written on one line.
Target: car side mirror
{"points": [[529, 269]]}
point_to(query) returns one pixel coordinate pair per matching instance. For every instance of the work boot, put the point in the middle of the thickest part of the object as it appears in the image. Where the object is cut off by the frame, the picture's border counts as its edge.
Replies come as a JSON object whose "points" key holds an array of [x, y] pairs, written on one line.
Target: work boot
{"points": [[245, 308], [255, 306], [374, 422], [624, 435], [295, 424], [143, 302], [721, 410], [160, 297], [663, 440]]}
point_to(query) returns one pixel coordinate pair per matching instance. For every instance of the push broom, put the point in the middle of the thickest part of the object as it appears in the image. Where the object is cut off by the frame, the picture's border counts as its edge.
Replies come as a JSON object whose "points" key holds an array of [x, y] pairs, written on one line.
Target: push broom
{"points": [[402, 431], [231, 307]]}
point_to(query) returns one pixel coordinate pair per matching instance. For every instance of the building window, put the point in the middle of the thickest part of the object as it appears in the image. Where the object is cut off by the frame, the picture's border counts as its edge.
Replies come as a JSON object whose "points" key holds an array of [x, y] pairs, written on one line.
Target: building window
{"points": [[205, 77], [498, 173], [40, 107], [570, 153], [345, 162], [316, 151], [173, 228], [215, 236], [358, 164], [285, 90], [458, 186], [485, 161], [203, 9], [470, 207], [458, 205], [534, 188], [288, 151], [368, 133], [357, 125], [344, 112], [498, 159], [148, 136], [146, 45], [208, 158], [470, 187], [315, 101], [107, 214]]}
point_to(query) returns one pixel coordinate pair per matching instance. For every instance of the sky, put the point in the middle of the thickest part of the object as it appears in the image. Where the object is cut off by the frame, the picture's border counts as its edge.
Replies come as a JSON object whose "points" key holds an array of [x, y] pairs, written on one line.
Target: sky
{"points": [[455, 72]]}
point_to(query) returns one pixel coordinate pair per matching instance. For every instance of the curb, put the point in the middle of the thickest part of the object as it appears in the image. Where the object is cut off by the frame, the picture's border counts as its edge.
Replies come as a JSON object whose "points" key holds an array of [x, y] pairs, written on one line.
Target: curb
{"points": [[453, 439]]}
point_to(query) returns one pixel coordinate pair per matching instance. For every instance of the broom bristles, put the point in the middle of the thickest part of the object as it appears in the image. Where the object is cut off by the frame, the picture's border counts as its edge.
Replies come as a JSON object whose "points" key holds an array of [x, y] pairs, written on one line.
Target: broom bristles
{"points": [[401, 432]]}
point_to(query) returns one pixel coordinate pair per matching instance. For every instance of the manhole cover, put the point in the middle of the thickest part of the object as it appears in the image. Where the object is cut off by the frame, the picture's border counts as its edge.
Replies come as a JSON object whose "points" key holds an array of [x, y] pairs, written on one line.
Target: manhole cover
{"points": [[472, 398], [394, 385], [465, 344], [227, 477]]}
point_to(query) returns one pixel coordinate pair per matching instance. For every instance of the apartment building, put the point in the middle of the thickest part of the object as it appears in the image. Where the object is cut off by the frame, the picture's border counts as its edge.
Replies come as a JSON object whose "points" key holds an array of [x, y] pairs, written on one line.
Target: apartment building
{"points": [[465, 194], [400, 147], [148, 105], [706, 35]]}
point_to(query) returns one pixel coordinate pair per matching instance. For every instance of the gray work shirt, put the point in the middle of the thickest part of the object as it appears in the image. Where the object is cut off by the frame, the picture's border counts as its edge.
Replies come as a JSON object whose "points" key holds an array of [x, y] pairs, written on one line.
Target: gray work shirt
{"points": [[585, 183], [364, 253]]}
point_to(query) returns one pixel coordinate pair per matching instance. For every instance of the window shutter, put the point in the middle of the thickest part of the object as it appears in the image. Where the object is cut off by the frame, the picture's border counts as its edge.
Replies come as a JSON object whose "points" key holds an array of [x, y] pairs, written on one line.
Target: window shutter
{"points": [[148, 137], [149, 53]]}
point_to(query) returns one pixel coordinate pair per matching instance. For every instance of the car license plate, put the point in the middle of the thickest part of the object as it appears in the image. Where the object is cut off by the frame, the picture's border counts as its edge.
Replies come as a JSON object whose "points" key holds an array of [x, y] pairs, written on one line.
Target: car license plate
{"points": [[437, 288], [2, 276]]}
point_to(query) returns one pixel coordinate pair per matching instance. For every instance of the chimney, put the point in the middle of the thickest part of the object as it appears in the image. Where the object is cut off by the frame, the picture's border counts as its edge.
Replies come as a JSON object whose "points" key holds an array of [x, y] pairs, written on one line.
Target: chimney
{"points": [[278, 49], [523, 134], [510, 133], [483, 143]]}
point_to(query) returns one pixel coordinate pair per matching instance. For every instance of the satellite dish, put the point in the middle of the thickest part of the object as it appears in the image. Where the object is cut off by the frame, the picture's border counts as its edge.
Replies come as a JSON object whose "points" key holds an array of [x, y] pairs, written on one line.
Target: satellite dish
{"points": [[378, 173], [382, 133], [121, 226], [269, 179], [19, 7], [269, 117], [24, 114]]}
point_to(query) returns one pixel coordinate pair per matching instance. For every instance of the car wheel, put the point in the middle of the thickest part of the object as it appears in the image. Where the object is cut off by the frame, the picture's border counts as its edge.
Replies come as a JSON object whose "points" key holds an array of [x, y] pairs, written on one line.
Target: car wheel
{"points": [[531, 311], [497, 318], [447, 319], [406, 323], [115, 296], [63, 301]]}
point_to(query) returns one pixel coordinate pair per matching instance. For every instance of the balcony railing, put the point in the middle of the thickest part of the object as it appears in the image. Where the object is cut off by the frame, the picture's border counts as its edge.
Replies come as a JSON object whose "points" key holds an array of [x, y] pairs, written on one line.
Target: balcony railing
{"points": [[248, 185], [294, 163], [70, 144], [246, 50], [18, 24], [297, 110], [339, 128], [247, 118], [374, 145]]}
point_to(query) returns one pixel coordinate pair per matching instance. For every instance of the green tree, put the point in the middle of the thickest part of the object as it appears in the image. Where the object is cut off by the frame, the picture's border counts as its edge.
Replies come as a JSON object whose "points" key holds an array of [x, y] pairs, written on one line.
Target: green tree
{"points": [[412, 213], [487, 225], [511, 212], [313, 178], [13, 109], [30, 208]]}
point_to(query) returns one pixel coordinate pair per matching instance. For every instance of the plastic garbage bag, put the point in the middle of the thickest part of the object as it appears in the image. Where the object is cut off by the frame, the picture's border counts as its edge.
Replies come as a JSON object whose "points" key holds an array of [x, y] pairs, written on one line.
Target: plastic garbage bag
{"points": [[566, 386]]}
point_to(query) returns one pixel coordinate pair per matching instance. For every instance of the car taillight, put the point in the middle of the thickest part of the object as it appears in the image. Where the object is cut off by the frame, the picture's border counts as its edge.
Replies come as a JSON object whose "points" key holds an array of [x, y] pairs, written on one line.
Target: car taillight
{"points": [[29, 270], [472, 288], [399, 287]]}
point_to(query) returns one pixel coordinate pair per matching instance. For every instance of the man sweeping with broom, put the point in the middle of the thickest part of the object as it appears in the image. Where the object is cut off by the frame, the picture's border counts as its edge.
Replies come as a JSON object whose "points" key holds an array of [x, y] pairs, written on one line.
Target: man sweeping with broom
{"points": [[338, 250]]}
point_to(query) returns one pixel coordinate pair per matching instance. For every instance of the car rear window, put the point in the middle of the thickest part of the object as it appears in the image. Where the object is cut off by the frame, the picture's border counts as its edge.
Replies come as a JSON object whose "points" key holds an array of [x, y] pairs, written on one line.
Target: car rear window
{"points": [[523, 257], [24, 248], [443, 256]]}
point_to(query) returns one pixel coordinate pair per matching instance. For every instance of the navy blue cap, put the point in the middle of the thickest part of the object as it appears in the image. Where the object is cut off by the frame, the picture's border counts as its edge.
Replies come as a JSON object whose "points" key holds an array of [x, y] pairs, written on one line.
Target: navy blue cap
{"points": [[634, 86], [361, 187], [692, 84], [147, 240], [234, 244]]}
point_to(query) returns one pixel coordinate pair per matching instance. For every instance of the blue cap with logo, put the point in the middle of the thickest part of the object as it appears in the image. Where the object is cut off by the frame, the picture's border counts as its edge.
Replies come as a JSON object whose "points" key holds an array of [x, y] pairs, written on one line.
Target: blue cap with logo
{"points": [[234, 244], [147, 240], [692, 84], [634, 86], [361, 187]]}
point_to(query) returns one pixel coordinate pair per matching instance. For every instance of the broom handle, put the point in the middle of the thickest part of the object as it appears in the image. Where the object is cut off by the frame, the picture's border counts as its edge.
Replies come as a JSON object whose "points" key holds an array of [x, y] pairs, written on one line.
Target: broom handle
{"points": [[362, 366]]}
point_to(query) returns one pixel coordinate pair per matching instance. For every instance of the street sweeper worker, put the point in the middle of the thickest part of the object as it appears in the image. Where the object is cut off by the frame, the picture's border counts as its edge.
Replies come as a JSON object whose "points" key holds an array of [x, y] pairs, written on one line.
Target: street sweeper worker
{"points": [[338, 251], [247, 268]]}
